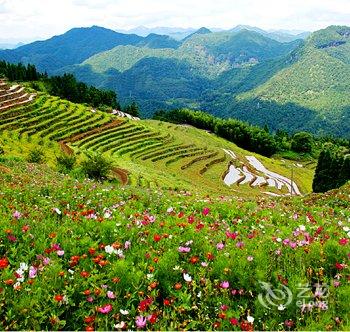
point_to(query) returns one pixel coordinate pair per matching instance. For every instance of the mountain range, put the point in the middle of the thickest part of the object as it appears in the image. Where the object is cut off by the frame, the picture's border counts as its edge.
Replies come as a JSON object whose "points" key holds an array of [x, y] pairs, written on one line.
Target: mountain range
{"points": [[299, 84]]}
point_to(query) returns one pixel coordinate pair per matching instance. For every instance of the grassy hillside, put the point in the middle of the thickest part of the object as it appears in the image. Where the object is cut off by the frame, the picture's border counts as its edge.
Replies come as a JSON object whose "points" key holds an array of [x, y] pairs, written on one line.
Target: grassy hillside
{"points": [[154, 153]]}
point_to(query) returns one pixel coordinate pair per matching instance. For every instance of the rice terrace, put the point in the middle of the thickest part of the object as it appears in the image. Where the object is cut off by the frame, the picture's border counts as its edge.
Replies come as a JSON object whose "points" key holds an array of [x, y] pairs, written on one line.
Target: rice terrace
{"points": [[174, 179]]}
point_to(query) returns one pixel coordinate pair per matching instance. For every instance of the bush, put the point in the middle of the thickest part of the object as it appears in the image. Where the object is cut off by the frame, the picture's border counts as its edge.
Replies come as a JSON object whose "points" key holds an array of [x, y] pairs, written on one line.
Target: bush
{"points": [[302, 142], [36, 155], [96, 166], [65, 162]]}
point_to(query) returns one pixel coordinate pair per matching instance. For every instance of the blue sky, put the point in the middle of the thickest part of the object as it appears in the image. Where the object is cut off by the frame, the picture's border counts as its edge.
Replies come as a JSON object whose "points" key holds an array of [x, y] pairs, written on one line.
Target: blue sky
{"points": [[33, 19]]}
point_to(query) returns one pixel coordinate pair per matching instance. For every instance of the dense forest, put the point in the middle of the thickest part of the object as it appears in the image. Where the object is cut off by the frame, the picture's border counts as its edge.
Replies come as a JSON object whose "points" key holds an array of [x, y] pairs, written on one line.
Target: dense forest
{"points": [[333, 168], [65, 86]]}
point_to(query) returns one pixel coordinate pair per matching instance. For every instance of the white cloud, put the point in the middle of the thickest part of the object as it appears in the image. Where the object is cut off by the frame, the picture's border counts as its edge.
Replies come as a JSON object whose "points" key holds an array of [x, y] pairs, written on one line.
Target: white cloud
{"points": [[32, 18]]}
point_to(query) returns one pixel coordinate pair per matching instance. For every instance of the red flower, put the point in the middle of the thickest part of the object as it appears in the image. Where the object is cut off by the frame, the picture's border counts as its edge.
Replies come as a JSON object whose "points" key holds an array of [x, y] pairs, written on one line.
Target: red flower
{"points": [[84, 274], [144, 304], [210, 256], [339, 266], [152, 318], [166, 302], [4, 263], [157, 237], [92, 251], [343, 242], [194, 259], [58, 298], [246, 326], [234, 321], [89, 319]]}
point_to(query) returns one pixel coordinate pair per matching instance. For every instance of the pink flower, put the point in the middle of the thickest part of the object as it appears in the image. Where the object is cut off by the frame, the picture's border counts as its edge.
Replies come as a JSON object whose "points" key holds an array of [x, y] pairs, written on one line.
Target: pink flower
{"points": [[184, 249], [32, 272], [220, 246], [293, 245], [60, 252], [105, 309], [17, 215], [140, 322], [343, 242], [110, 295], [127, 245], [205, 211], [46, 260], [90, 299], [240, 245], [336, 283], [225, 284]]}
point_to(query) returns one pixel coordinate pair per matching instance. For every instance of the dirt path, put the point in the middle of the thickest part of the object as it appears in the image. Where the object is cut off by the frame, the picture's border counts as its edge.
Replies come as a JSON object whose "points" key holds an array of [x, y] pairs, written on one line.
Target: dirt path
{"points": [[65, 148], [80, 136], [122, 174]]}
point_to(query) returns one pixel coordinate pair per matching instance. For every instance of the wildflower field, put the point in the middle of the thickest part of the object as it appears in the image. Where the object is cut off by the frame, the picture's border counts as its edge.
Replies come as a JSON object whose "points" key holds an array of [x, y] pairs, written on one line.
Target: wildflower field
{"points": [[83, 255]]}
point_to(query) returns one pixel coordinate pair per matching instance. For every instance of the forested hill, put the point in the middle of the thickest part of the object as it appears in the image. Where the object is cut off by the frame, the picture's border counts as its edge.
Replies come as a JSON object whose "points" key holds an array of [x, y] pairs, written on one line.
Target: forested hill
{"points": [[314, 89], [76, 45]]}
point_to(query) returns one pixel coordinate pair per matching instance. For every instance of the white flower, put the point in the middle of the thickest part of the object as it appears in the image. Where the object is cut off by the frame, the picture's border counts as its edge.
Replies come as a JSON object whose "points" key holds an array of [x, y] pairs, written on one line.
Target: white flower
{"points": [[109, 249], [346, 229], [17, 284], [169, 210], [120, 326], [199, 294], [250, 319], [23, 267], [57, 210], [279, 239], [187, 277], [302, 227], [71, 271], [107, 214], [176, 268], [124, 312]]}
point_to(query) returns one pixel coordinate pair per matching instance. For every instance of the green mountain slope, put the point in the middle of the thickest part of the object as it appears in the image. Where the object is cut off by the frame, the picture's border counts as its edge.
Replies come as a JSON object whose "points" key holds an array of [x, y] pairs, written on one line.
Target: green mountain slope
{"points": [[317, 80], [78, 44], [186, 76]]}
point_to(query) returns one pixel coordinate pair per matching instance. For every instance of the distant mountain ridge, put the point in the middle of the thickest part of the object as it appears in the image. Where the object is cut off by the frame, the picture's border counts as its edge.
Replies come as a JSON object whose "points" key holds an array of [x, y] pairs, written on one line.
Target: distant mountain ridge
{"points": [[247, 74]]}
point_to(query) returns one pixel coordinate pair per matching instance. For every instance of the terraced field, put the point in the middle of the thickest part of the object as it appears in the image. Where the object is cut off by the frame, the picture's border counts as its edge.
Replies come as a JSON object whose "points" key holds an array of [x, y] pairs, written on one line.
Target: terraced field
{"points": [[151, 153]]}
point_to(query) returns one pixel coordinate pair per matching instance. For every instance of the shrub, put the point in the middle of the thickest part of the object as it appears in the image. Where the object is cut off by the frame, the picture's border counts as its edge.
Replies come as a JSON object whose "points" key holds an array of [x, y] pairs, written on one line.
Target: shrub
{"points": [[96, 166], [302, 142], [65, 162], [36, 155]]}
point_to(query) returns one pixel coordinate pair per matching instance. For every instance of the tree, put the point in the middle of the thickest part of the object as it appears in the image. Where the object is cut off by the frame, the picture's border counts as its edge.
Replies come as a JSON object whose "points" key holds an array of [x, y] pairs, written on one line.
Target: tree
{"points": [[132, 109], [302, 142]]}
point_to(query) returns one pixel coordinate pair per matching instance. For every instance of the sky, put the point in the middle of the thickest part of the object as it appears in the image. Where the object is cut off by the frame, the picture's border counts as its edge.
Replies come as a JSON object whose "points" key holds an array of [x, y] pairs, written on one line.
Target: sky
{"points": [[26, 20]]}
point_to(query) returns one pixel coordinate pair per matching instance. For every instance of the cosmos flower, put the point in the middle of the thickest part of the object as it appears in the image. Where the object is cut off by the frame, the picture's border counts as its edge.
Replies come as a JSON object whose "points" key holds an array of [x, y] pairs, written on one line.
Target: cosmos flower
{"points": [[105, 309]]}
